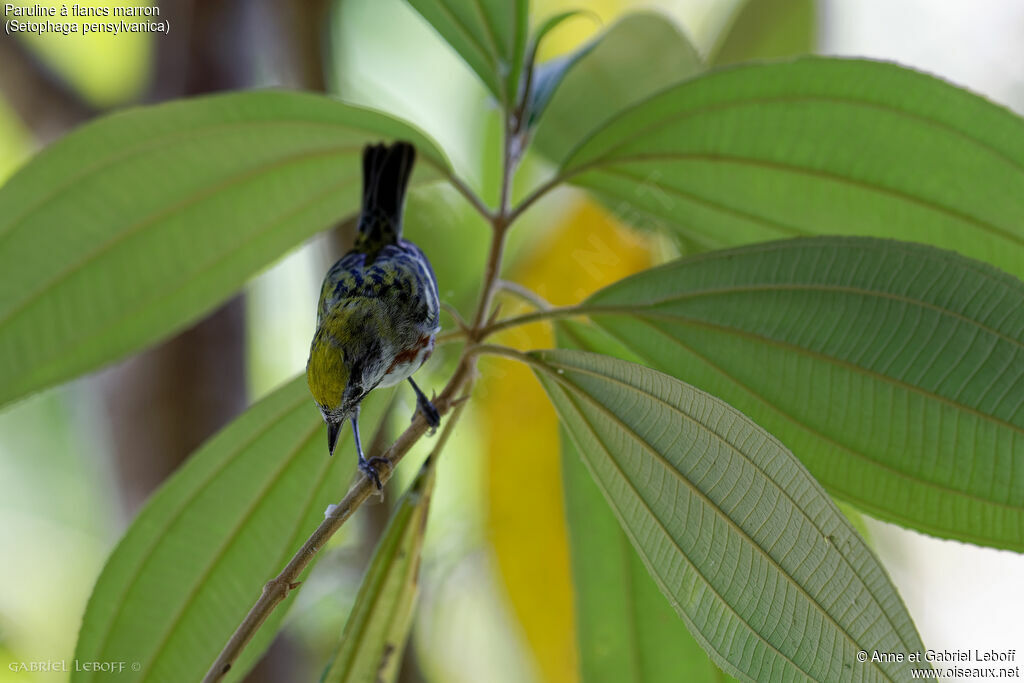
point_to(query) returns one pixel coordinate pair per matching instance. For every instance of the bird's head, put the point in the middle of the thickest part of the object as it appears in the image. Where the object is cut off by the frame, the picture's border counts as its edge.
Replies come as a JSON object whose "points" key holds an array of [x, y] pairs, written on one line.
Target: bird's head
{"points": [[336, 366]]}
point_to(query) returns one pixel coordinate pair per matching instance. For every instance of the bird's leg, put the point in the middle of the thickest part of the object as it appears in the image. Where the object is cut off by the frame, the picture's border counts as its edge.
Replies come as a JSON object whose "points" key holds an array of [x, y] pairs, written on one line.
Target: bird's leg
{"points": [[366, 466], [430, 413]]}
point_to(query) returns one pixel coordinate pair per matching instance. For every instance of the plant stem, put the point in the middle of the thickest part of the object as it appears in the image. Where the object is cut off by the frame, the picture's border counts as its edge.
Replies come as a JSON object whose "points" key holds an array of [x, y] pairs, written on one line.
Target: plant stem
{"points": [[470, 196], [456, 316], [539, 192], [278, 588], [505, 352], [449, 337], [524, 293], [489, 288], [454, 392], [544, 314], [499, 227]]}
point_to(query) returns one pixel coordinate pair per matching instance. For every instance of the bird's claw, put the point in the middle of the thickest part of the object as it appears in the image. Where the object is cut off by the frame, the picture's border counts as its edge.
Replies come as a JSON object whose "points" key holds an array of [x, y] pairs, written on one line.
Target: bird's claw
{"points": [[429, 413], [368, 467]]}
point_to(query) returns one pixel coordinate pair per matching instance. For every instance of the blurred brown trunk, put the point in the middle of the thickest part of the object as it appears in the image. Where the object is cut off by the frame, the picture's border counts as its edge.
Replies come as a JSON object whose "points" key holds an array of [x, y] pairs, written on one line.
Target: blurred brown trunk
{"points": [[42, 100], [166, 401]]}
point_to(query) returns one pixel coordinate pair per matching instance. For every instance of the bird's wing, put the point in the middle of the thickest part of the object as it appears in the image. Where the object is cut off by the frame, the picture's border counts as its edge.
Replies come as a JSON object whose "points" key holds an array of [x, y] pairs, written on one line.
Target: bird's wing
{"points": [[344, 280], [400, 273]]}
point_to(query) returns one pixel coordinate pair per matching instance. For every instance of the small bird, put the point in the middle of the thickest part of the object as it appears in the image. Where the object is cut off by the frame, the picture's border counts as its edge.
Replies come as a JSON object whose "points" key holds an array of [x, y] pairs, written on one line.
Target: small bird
{"points": [[379, 309]]}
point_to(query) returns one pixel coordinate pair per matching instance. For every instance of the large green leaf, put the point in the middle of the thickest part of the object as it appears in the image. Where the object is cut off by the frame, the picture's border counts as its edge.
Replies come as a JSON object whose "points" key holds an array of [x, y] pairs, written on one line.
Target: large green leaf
{"points": [[377, 629], [489, 34], [638, 56], [769, 576], [765, 29], [196, 558], [134, 225], [819, 146], [630, 634], [895, 371]]}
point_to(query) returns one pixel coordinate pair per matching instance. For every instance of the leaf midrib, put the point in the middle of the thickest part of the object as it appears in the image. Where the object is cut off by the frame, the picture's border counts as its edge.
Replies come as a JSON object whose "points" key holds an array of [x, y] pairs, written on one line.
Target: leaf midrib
{"points": [[793, 348], [157, 535], [878, 245], [166, 213], [226, 543], [957, 533], [819, 173], [782, 491], [158, 295], [478, 47], [626, 479], [151, 144], [911, 477], [799, 350], [665, 590], [716, 205], [898, 112], [496, 47], [846, 289]]}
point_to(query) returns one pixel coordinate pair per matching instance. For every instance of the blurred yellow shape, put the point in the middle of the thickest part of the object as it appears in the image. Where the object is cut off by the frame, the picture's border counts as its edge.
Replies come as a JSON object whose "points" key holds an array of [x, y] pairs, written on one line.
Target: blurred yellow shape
{"points": [[526, 522], [597, 15], [107, 69]]}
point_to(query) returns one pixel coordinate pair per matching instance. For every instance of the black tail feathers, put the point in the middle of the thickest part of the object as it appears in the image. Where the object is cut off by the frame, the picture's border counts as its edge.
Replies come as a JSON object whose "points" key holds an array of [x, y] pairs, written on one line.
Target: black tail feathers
{"points": [[386, 173]]}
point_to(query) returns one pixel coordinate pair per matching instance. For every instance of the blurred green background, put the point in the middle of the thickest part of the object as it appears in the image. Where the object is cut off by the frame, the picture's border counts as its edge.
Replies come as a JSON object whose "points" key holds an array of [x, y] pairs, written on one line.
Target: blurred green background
{"points": [[496, 603]]}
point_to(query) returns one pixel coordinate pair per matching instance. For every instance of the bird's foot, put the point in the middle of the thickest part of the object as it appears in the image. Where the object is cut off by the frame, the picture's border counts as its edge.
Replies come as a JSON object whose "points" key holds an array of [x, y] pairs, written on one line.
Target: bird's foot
{"points": [[427, 408], [369, 468], [429, 412]]}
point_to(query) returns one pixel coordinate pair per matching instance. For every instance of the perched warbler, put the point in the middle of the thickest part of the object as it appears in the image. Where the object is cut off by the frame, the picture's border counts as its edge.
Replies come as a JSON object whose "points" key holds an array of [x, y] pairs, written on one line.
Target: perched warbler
{"points": [[379, 309]]}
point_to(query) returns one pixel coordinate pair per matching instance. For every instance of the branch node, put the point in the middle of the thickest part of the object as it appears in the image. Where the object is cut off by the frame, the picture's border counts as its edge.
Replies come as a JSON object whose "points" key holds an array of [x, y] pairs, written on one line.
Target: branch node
{"points": [[494, 315], [454, 313]]}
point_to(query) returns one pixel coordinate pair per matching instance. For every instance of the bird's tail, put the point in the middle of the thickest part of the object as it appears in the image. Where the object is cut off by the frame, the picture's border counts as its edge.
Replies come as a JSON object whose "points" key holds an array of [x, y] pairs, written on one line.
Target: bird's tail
{"points": [[385, 177]]}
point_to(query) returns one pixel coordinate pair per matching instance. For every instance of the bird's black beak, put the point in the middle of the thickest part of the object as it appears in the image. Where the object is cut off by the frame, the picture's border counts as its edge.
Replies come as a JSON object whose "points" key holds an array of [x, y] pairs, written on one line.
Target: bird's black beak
{"points": [[332, 436]]}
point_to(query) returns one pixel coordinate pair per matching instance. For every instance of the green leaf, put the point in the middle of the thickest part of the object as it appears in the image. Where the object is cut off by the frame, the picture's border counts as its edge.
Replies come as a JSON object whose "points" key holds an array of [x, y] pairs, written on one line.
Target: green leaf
{"points": [[544, 79], [767, 29], [573, 334], [378, 627], [819, 146], [755, 557], [490, 35], [894, 371], [639, 55], [196, 558], [134, 225], [630, 634]]}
